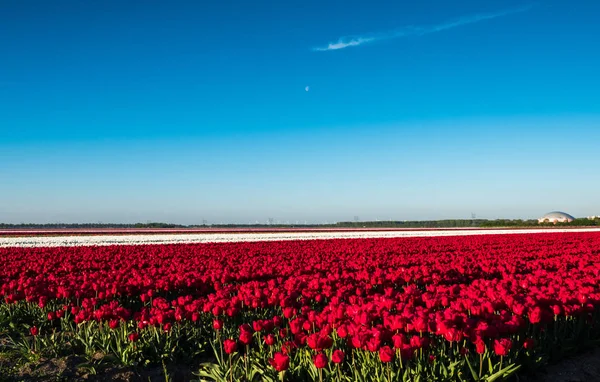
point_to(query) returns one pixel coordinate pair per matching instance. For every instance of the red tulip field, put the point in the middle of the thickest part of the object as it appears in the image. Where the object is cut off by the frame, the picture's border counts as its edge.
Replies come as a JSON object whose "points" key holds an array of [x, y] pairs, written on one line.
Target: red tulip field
{"points": [[470, 308]]}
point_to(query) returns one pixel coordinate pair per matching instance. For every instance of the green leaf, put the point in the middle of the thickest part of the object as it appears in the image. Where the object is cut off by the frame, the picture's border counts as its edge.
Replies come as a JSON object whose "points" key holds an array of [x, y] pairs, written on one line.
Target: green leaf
{"points": [[444, 369], [212, 372], [507, 371], [473, 373]]}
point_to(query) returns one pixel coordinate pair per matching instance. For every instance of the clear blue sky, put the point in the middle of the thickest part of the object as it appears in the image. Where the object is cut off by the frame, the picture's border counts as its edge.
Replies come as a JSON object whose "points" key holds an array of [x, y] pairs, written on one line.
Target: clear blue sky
{"points": [[124, 111]]}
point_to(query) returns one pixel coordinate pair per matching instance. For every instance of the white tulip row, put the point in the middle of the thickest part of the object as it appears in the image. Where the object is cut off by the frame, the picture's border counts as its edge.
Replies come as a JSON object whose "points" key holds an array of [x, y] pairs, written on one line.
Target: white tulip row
{"points": [[140, 239]]}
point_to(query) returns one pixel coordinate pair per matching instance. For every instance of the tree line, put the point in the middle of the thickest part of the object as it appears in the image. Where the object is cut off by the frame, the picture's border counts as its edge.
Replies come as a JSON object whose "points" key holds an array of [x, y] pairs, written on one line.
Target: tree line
{"points": [[446, 223]]}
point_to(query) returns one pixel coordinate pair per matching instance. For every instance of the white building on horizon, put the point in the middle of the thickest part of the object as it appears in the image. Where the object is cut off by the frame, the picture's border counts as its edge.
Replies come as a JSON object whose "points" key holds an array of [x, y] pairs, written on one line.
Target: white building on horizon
{"points": [[556, 217]]}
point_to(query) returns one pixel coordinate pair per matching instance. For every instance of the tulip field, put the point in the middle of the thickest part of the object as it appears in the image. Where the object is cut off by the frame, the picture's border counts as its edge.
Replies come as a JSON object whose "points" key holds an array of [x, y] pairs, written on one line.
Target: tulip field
{"points": [[451, 308]]}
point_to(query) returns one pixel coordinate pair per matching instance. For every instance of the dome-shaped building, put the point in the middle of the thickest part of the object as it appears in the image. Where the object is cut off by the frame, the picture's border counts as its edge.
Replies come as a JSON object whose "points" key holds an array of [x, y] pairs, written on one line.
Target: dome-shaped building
{"points": [[556, 217]]}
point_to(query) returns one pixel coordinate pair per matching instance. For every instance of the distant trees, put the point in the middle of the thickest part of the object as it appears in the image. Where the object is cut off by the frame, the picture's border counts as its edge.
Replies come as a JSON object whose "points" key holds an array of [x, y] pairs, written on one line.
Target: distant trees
{"points": [[510, 223], [581, 222], [447, 223], [87, 225]]}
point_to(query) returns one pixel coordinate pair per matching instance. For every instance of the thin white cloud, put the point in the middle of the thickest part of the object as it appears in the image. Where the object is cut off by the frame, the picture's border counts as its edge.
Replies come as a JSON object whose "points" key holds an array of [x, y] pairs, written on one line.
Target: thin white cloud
{"points": [[348, 41], [345, 42]]}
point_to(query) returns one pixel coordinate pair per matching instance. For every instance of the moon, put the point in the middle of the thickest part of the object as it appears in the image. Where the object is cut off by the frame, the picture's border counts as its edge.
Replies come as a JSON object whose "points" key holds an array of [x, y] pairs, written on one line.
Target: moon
{"points": [[307, 88]]}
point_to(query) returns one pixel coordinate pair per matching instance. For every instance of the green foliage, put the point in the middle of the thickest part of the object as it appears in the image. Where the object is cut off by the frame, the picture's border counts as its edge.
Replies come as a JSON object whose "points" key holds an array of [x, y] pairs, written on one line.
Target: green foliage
{"points": [[189, 343]]}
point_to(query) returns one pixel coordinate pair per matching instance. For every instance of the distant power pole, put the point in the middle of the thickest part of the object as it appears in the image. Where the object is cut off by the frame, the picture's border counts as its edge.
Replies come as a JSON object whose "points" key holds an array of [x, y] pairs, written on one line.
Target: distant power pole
{"points": [[270, 221], [356, 218]]}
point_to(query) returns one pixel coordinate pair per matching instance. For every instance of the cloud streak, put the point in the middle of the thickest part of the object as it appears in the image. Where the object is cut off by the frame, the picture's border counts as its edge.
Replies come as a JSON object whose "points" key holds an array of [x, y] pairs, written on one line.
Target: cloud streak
{"points": [[417, 30]]}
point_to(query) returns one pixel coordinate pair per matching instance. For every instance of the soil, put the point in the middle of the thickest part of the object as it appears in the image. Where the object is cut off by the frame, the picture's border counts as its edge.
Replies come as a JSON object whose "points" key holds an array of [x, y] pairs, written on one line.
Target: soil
{"points": [[73, 368], [581, 368]]}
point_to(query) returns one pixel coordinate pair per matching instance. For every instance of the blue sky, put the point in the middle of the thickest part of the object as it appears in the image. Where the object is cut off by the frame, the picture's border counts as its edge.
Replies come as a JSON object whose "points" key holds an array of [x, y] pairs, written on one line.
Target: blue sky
{"points": [[127, 111]]}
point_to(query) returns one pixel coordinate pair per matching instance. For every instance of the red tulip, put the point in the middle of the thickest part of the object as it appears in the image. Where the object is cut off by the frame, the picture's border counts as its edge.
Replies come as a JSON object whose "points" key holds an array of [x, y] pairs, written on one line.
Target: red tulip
{"points": [[269, 339], [529, 343], [230, 346], [342, 331], [280, 361], [113, 324], [399, 340], [133, 337], [453, 335], [502, 346], [217, 324], [386, 354], [257, 325], [337, 356], [480, 347], [535, 315], [320, 360]]}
